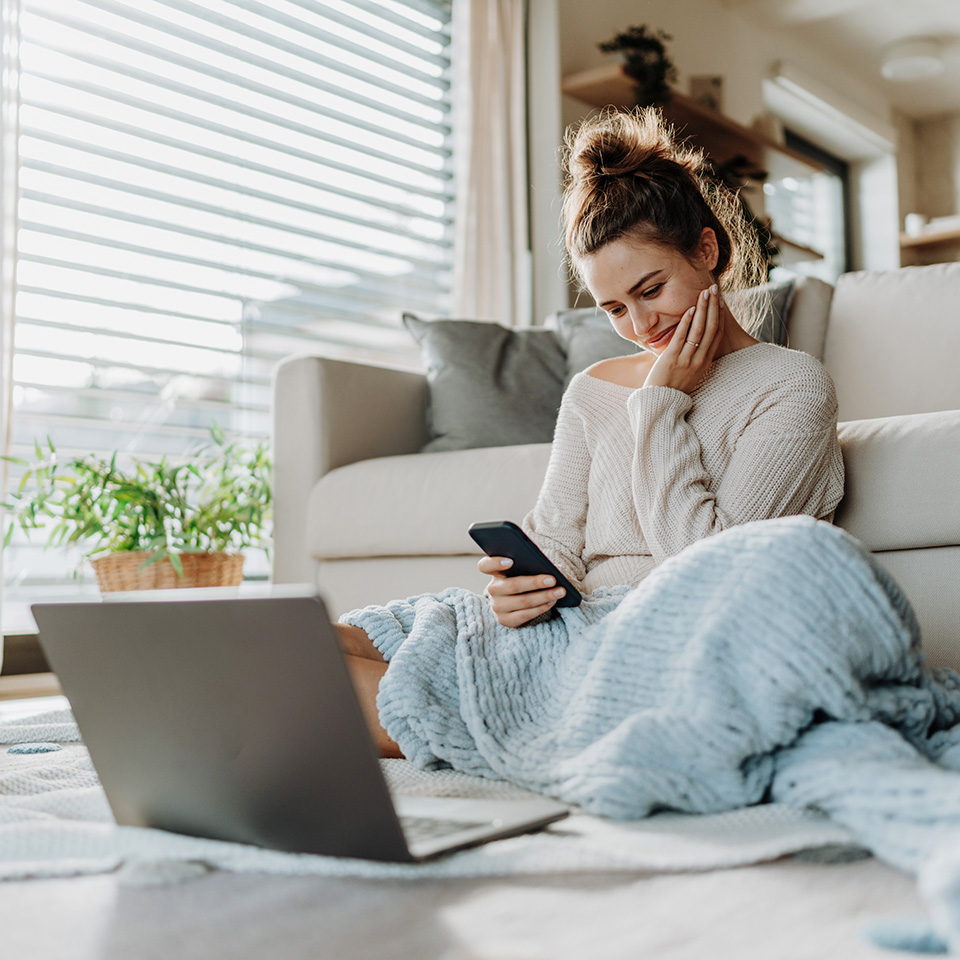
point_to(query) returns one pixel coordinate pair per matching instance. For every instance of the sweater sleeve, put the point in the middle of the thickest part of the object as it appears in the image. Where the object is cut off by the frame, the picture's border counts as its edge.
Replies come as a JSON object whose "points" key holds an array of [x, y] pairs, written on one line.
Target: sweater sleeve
{"points": [[786, 461], [558, 519]]}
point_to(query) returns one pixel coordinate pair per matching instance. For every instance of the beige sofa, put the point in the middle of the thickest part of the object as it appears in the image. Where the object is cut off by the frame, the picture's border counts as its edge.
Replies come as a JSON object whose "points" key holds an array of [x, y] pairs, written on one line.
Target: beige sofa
{"points": [[362, 513]]}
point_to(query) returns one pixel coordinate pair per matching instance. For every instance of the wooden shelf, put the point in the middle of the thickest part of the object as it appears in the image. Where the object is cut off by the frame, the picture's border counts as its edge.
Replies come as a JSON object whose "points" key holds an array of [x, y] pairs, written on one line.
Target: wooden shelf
{"points": [[930, 236], [718, 134]]}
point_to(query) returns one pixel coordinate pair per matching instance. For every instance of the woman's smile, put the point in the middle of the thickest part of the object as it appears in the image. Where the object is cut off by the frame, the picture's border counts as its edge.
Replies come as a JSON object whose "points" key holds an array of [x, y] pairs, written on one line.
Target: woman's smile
{"points": [[662, 339]]}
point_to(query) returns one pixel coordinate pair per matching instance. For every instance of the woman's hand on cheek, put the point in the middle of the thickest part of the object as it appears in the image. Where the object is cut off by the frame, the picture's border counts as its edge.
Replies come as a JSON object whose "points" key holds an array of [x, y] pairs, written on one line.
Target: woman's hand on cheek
{"points": [[695, 342]]}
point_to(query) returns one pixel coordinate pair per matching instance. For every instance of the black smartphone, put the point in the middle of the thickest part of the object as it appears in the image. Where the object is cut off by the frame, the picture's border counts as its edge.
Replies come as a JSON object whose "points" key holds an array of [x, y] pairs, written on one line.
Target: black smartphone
{"points": [[502, 538]]}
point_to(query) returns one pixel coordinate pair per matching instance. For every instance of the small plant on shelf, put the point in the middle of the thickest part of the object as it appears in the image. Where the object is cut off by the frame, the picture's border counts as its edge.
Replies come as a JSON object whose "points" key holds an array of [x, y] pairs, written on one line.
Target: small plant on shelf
{"points": [[159, 523], [646, 62]]}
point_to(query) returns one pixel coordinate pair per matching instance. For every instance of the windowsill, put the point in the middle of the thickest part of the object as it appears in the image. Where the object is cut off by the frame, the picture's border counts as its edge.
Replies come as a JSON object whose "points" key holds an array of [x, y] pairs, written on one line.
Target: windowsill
{"points": [[17, 620], [28, 686], [22, 653]]}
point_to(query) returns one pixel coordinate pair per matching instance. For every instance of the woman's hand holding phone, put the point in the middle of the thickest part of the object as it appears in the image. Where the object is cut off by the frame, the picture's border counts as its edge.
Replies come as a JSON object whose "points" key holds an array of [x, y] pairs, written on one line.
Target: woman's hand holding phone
{"points": [[518, 600]]}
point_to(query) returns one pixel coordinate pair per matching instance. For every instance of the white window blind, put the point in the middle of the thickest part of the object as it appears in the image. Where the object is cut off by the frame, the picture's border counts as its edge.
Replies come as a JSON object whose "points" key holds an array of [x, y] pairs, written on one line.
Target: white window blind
{"points": [[207, 187], [812, 211]]}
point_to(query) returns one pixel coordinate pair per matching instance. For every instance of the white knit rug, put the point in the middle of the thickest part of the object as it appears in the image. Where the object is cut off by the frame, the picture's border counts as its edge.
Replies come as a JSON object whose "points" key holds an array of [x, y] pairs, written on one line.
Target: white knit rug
{"points": [[55, 821]]}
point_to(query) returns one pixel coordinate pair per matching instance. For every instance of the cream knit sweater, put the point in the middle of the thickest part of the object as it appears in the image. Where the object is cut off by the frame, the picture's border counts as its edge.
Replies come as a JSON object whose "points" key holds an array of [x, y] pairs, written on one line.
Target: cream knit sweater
{"points": [[636, 475]]}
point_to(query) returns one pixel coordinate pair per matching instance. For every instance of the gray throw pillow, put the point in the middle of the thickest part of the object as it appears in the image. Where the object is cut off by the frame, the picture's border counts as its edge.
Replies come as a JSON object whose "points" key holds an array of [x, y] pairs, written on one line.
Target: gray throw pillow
{"points": [[489, 386], [587, 336], [773, 324]]}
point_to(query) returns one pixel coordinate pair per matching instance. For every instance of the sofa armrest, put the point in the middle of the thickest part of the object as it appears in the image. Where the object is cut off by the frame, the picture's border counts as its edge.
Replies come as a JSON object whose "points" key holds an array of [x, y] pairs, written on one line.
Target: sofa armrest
{"points": [[902, 480], [328, 413]]}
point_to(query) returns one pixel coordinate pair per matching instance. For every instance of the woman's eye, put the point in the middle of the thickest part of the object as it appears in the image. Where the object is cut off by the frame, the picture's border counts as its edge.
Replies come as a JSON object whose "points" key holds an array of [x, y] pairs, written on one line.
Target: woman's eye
{"points": [[615, 312], [652, 291]]}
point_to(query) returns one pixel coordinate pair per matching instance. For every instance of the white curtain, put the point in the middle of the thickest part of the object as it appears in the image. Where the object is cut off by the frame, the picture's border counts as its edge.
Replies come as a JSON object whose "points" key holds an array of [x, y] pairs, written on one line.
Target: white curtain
{"points": [[9, 161], [492, 273]]}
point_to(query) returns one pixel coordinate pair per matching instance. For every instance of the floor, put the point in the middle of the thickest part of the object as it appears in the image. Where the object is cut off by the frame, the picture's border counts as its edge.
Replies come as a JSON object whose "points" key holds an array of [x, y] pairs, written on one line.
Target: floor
{"points": [[788, 910], [783, 911]]}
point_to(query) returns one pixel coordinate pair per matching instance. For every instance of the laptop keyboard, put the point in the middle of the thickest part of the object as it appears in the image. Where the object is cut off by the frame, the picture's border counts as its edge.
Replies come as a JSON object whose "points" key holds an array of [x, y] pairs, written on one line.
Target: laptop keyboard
{"points": [[433, 828]]}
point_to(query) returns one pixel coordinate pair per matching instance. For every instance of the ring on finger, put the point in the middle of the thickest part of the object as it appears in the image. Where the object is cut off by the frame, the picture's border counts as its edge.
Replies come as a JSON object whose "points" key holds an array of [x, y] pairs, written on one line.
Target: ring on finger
{"points": [[695, 343]]}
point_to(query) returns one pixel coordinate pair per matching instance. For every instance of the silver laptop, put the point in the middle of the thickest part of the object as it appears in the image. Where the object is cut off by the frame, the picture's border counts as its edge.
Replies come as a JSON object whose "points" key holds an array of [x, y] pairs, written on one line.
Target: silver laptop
{"points": [[233, 717]]}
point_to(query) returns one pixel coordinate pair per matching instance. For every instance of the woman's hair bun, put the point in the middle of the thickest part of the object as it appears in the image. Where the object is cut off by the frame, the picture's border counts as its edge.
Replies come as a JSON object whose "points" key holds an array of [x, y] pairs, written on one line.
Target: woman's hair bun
{"points": [[619, 144]]}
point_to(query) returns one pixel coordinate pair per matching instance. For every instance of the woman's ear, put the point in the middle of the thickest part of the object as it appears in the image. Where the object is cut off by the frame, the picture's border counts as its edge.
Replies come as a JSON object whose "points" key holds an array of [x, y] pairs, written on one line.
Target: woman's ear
{"points": [[708, 250]]}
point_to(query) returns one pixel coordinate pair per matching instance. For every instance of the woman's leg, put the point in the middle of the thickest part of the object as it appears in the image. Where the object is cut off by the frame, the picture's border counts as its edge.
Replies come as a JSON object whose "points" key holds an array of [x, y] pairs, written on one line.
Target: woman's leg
{"points": [[366, 676], [356, 643], [366, 667]]}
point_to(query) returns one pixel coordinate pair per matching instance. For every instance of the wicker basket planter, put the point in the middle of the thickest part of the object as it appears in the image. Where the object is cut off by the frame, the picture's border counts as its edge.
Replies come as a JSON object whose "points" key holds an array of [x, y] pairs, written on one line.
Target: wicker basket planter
{"points": [[125, 571]]}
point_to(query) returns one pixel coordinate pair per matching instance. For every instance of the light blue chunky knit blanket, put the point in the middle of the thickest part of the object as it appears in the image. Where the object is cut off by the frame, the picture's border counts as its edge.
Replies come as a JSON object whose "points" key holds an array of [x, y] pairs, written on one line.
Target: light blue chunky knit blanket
{"points": [[776, 660]]}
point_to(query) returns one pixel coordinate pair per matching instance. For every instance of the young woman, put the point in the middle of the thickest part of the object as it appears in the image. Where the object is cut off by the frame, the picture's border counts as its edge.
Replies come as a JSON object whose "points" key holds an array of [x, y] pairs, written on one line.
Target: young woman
{"points": [[704, 429]]}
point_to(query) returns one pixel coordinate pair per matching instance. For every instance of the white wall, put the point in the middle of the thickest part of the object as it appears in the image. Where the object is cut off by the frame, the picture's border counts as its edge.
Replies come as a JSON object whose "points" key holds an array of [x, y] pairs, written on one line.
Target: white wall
{"points": [[930, 178], [938, 165], [708, 38]]}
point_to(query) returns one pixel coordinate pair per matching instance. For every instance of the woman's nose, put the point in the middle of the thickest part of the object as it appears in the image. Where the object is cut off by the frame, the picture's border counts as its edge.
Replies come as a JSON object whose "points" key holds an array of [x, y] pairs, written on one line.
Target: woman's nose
{"points": [[639, 319]]}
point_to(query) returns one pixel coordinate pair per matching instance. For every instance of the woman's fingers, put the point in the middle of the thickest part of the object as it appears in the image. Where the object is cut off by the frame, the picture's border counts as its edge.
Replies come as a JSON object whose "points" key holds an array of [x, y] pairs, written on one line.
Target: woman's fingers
{"points": [[679, 338], [712, 329], [516, 600], [494, 565], [702, 329], [695, 332], [516, 592], [520, 617]]}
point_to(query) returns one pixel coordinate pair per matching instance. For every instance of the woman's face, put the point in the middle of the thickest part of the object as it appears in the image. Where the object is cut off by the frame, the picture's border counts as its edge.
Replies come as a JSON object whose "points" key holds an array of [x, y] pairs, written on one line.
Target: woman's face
{"points": [[645, 288]]}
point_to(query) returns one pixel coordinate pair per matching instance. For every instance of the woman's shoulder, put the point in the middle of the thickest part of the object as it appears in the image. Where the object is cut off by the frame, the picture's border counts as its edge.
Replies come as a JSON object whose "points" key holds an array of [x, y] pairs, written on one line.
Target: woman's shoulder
{"points": [[770, 364], [627, 371], [600, 392], [776, 378]]}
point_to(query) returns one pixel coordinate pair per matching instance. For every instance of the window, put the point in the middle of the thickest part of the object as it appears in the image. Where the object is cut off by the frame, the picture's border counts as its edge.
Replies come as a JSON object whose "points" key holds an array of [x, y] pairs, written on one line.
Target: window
{"points": [[205, 188], [813, 212]]}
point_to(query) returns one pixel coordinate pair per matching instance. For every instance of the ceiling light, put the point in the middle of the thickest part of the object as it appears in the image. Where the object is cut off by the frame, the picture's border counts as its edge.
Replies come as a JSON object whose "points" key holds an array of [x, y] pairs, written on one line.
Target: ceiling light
{"points": [[917, 58]]}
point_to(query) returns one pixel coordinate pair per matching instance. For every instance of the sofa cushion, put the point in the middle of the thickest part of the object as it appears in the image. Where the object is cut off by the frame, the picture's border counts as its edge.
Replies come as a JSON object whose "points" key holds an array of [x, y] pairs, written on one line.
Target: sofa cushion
{"points": [[901, 477], [897, 472], [893, 341], [488, 385], [421, 504], [807, 315]]}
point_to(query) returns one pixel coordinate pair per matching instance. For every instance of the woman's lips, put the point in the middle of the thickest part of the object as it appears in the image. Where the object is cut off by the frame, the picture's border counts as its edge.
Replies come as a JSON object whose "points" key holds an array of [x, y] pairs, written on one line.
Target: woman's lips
{"points": [[663, 339]]}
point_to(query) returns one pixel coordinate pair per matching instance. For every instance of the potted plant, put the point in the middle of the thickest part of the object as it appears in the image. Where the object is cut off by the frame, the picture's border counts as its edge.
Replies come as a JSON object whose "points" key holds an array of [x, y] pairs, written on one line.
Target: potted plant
{"points": [[163, 523], [646, 62]]}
